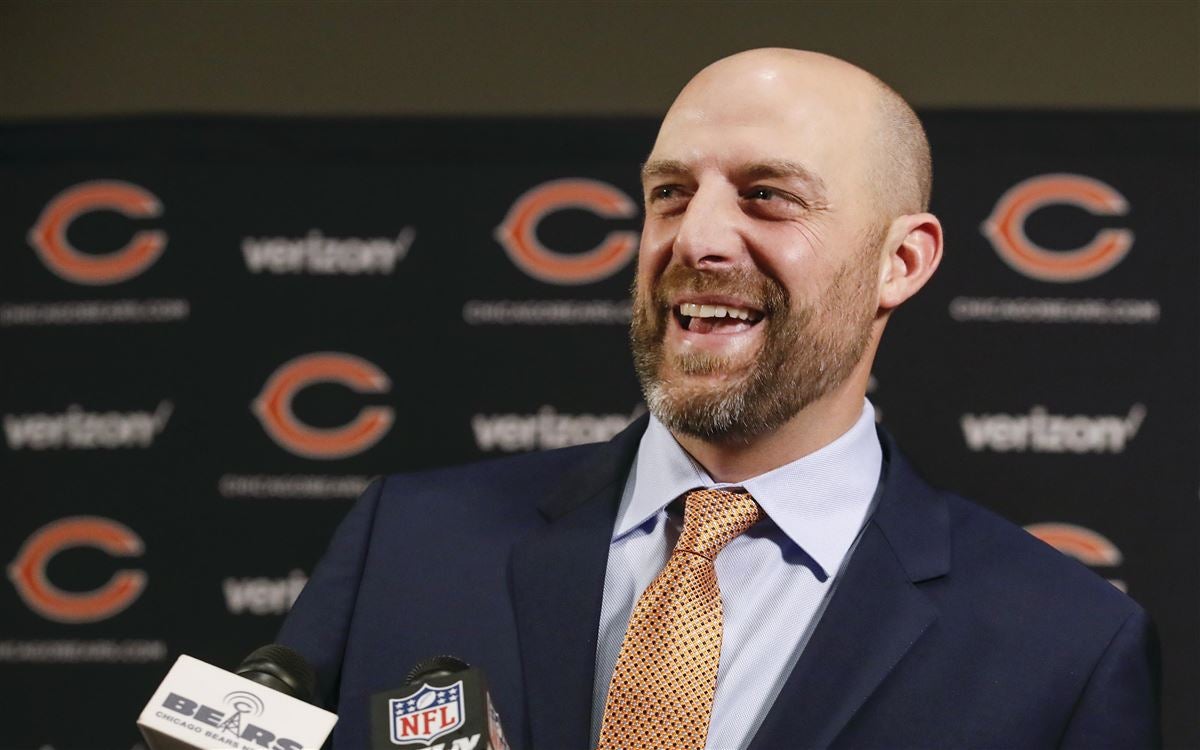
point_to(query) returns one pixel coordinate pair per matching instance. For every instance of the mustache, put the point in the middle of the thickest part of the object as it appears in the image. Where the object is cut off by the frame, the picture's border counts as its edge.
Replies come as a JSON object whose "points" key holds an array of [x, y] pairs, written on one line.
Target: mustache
{"points": [[758, 289]]}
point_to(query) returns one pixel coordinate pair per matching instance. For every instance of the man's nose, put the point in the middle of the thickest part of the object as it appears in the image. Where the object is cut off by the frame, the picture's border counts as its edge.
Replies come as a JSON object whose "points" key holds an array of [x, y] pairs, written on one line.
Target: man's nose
{"points": [[710, 233]]}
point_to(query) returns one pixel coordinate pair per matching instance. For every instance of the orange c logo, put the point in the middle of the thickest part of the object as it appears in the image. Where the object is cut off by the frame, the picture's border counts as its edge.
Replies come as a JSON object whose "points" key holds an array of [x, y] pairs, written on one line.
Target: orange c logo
{"points": [[49, 235], [1006, 228], [1083, 544], [28, 571], [518, 232], [273, 407], [1087, 546]]}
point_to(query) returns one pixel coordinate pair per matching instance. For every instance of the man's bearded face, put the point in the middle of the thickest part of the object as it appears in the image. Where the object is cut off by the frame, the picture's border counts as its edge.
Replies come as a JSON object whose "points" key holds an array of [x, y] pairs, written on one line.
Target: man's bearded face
{"points": [[808, 348]]}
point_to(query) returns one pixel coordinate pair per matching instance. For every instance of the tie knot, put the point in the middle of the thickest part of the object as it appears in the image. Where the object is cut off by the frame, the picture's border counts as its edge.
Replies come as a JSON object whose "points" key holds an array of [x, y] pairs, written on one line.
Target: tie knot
{"points": [[713, 518]]}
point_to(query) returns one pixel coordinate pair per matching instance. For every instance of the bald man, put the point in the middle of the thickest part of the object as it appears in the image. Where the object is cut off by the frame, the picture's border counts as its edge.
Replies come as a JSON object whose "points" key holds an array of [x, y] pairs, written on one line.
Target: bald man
{"points": [[753, 565]]}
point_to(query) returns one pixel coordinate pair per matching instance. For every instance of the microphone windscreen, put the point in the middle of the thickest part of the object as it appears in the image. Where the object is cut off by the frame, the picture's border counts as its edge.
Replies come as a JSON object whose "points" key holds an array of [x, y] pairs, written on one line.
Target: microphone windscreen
{"points": [[280, 668], [437, 666]]}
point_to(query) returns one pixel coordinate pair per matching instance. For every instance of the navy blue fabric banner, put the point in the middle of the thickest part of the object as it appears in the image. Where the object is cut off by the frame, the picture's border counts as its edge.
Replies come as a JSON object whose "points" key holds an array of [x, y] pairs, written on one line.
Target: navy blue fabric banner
{"points": [[217, 330]]}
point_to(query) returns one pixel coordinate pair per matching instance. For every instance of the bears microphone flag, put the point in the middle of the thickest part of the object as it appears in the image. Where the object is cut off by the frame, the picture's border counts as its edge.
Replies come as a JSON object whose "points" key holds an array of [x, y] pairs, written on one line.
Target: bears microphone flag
{"points": [[200, 706]]}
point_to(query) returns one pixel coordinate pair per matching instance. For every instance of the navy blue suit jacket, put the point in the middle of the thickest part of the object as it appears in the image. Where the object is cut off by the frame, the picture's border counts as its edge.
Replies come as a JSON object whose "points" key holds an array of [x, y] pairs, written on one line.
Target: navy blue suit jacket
{"points": [[951, 627]]}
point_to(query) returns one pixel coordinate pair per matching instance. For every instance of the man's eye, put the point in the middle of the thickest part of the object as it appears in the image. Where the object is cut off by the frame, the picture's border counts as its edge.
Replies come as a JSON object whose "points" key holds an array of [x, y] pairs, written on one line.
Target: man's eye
{"points": [[663, 192], [773, 203], [763, 194]]}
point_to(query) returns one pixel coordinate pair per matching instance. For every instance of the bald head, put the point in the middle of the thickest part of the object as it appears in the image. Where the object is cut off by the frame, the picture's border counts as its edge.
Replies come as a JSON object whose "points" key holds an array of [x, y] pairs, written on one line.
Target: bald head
{"points": [[905, 176], [846, 117]]}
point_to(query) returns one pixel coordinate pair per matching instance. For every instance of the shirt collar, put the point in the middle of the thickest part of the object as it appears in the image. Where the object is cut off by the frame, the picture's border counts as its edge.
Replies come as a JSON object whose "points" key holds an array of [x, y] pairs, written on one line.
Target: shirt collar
{"points": [[819, 501]]}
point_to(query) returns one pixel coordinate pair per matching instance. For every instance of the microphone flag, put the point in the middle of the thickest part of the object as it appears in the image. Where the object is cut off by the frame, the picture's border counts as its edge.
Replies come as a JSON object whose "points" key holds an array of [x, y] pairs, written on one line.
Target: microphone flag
{"points": [[439, 710], [198, 705]]}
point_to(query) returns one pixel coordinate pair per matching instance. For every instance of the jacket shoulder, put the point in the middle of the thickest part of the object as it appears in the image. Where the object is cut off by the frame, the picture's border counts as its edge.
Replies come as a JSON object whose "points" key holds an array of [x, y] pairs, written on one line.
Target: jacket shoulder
{"points": [[1028, 578], [986, 562]]}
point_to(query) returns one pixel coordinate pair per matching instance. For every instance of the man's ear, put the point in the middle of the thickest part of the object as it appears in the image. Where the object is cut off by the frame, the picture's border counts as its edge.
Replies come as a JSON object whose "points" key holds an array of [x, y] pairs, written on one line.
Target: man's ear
{"points": [[911, 255]]}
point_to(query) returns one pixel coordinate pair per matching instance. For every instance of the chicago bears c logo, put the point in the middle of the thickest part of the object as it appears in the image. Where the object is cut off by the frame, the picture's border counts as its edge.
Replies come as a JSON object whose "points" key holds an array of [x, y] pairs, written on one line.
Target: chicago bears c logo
{"points": [[517, 234], [1087, 546], [28, 571], [1006, 228], [49, 235], [273, 407]]}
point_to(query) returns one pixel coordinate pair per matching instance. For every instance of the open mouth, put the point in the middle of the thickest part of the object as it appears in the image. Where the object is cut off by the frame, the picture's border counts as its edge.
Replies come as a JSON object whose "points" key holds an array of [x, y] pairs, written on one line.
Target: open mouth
{"points": [[713, 318]]}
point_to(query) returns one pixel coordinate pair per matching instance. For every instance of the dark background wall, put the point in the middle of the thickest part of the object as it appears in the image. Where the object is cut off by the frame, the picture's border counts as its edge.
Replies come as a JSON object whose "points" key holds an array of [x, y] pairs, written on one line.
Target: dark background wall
{"points": [[531, 58]]}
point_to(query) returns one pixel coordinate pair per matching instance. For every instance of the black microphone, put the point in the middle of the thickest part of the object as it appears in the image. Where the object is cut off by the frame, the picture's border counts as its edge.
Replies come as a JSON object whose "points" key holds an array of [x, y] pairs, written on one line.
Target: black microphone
{"points": [[444, 705], [280, 668]]}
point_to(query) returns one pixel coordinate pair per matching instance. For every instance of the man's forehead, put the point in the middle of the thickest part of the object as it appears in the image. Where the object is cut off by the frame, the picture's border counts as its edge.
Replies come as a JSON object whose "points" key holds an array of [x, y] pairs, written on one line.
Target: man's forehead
{"points": [[758, 169], [808, 150], [734, 142]]}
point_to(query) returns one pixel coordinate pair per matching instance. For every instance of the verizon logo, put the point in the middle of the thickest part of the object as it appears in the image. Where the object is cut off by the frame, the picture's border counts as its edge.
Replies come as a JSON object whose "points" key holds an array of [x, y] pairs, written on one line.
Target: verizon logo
{"points": [[320, 255], [77, 428], [263, 596], [545, 429], [1042, 432]]}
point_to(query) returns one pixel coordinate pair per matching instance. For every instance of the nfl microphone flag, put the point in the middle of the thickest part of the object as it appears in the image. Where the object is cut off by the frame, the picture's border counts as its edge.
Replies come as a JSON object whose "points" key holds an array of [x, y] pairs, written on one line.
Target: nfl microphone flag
{"points": [[444, 706]]}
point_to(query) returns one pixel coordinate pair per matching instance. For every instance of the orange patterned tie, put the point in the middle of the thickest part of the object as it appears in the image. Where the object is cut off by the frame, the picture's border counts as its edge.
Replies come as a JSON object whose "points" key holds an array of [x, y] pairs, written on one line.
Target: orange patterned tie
{"points": [[662, 686]]}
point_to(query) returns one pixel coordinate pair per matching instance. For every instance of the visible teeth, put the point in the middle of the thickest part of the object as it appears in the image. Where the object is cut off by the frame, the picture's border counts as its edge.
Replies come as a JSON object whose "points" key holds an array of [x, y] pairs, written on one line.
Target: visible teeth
{"points": [[693, 310]]}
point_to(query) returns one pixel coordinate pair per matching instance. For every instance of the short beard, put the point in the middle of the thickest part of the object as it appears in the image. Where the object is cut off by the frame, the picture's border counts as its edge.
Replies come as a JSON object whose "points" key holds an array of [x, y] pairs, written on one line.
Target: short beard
{"points": [[808, 350]]}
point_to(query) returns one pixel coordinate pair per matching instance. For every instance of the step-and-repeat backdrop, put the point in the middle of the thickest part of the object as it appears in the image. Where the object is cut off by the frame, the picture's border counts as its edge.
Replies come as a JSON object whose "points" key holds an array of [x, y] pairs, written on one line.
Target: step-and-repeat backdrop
{"points": [[216, 331]]}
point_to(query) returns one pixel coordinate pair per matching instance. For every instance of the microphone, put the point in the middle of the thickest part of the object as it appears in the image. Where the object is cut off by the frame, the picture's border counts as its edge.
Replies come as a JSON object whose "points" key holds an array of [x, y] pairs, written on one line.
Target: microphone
{"points": [[280, 668], [266, 705], [444, 705]]}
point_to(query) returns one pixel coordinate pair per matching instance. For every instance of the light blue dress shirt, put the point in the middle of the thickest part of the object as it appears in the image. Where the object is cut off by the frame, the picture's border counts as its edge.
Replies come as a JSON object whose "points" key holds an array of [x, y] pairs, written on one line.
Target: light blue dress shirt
{"points": [[775, 579]]}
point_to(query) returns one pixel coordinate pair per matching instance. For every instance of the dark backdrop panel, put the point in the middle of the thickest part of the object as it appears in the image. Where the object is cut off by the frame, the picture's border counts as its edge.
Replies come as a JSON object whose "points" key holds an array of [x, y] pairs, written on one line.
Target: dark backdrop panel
{"points": [[338, 299]]}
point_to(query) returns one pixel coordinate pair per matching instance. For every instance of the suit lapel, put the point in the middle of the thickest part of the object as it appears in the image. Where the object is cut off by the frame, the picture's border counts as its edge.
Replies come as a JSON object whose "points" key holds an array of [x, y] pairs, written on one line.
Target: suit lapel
{"points": [[875, 615], [557, 578]]}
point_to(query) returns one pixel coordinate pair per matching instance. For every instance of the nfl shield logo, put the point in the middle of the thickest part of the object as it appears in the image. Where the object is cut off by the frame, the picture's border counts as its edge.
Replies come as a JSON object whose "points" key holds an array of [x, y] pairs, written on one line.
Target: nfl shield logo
{"points": [[427, 714]]}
